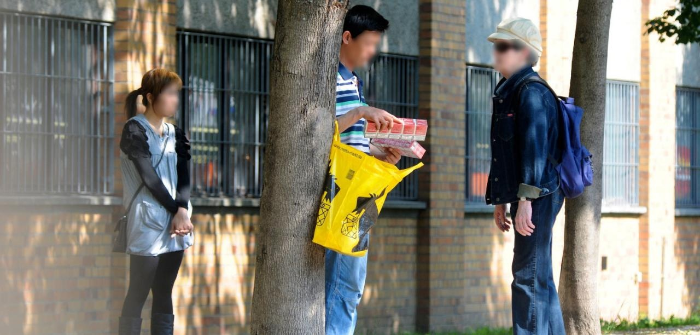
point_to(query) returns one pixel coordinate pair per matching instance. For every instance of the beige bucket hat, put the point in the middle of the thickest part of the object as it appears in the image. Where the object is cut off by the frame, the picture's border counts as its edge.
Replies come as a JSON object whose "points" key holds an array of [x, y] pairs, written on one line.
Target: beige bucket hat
{"points": [[521, 29]]}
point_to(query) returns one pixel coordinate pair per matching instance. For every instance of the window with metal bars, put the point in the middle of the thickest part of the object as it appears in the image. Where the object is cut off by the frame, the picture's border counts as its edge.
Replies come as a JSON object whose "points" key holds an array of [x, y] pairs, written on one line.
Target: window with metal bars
{"points": [[391, 83], [225, 107], [621, 149], [481, 81], [687, 147], [56, 115]]}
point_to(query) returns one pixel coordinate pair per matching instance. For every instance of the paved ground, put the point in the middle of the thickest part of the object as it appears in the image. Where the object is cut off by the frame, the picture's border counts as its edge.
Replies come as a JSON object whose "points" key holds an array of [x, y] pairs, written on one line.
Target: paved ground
{"points": [[686, 330]]}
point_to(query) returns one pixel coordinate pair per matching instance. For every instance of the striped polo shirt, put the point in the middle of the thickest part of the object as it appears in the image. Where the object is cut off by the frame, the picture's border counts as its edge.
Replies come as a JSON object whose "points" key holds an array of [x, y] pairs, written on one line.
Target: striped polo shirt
{"points": [[348, 96]]}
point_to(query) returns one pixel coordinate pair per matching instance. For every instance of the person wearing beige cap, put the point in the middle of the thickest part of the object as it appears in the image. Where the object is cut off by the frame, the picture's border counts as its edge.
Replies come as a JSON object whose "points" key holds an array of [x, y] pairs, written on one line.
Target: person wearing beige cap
{"points": [[525, 152]]}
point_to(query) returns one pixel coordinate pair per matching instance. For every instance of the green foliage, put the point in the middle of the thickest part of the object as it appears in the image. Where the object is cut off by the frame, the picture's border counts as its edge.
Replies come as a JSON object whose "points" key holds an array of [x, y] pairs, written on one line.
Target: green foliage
{"points": [[646, 323], [681, 22]]}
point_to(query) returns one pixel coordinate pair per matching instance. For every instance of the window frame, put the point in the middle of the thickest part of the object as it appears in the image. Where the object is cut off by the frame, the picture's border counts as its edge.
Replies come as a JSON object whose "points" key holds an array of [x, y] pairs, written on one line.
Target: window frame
{"points": [[475, 191], [76, 135], [621, 176], [401, 100], [692, 126]]}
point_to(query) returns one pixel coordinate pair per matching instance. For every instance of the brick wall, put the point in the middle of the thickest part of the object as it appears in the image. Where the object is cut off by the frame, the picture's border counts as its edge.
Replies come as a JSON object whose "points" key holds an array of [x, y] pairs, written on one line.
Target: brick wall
{"points": [[214, 289], [389, 301], [144, 38], [437, 269], [661, 285], [60, 276], [686, 250], [55, 269], [441, 246]]}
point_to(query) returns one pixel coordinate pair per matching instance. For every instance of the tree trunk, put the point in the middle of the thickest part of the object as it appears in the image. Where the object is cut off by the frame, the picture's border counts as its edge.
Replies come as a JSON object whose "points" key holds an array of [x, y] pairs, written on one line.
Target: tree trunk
{"points": [[289, 269], [578, 282]]}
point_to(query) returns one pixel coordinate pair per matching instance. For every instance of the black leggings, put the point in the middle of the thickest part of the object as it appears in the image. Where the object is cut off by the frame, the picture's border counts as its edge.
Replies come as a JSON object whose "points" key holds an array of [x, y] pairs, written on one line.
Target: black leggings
{"points": [[152, 273]]}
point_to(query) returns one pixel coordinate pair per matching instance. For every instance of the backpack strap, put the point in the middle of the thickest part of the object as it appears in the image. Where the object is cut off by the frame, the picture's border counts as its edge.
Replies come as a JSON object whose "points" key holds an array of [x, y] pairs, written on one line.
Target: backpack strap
{"points": [[534, 79], [538, 79]]}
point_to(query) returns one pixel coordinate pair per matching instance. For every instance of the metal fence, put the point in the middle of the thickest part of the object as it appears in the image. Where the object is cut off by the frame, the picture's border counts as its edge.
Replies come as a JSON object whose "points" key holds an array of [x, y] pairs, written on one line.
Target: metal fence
{"points": [[56, 119], [687, 147], [226, 106], [481, 82], [621, 151], [391, 83]]}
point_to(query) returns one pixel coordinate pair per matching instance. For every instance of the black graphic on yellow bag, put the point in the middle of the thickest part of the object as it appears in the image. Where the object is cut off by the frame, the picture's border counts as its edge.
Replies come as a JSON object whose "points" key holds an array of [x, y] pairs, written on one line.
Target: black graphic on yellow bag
{"points": [[356, 187], [329, 193], [360, 220]]}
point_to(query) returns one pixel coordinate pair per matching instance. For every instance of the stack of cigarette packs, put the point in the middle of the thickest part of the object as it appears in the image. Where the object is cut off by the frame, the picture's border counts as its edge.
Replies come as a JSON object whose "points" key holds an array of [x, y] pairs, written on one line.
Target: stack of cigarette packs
{"points": [[403, 137]]}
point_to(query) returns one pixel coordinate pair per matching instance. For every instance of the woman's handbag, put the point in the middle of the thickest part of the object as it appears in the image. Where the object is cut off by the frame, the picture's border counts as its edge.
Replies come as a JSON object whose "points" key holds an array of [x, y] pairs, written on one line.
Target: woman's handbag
{"points": [[119, 236]]}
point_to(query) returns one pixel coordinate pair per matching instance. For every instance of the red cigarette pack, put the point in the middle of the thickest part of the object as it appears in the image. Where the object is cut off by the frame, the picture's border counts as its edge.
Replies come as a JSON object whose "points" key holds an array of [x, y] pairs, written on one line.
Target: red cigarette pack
{"points": [[410, 130], [408, 148]]}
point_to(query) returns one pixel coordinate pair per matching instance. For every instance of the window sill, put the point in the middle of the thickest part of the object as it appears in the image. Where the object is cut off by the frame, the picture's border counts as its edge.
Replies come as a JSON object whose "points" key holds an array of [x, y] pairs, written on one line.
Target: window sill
{"points": [[255, 202], [70, 200], [226, 202], [623, 210], [473, 208], [608, 210], [405, 204], [687, 211]]}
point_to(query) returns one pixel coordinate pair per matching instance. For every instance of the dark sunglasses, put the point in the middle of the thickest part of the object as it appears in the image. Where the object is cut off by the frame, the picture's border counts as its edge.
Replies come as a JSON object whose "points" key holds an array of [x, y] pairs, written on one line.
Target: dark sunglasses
{"points": [[502, 47]]}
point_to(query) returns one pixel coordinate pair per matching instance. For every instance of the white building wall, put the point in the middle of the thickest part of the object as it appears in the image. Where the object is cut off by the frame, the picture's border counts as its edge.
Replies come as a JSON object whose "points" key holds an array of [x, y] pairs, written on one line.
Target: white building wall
{"points": [[687, 65], [624, 56], [99, 10], [484, 16], [256, 18]]}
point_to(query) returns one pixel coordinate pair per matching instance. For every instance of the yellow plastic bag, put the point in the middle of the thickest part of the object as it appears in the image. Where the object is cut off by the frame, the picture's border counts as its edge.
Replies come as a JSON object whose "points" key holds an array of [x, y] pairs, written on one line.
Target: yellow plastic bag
{"points": [[355, 190]]}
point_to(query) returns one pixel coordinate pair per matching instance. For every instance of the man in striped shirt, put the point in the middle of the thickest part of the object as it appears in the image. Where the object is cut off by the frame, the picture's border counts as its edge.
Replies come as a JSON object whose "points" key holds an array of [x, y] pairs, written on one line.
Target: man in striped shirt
{"points": [[345, 275]]}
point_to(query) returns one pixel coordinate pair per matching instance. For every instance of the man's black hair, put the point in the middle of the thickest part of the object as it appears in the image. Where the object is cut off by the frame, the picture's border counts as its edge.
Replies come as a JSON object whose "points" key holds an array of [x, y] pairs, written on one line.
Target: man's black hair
{"points": [[362, 18]]}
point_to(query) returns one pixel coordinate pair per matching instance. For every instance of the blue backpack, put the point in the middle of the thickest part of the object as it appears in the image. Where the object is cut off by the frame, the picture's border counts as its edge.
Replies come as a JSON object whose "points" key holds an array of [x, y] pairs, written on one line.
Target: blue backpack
{"points": [[575, 168]]}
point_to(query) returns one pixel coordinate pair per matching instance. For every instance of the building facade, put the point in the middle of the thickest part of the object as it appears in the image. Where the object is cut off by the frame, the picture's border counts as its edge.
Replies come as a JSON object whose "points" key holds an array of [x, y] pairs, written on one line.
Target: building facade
{"points": [[436, 260]]}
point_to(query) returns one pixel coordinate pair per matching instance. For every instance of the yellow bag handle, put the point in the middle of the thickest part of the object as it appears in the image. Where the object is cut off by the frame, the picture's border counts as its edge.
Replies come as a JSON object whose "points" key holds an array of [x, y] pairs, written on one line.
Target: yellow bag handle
{"points": [[336, 134]]}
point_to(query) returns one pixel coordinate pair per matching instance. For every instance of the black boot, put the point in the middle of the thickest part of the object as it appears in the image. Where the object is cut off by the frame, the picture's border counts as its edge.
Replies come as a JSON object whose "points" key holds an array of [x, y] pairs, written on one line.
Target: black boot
{"points": [[162, 324], [129, 326]]}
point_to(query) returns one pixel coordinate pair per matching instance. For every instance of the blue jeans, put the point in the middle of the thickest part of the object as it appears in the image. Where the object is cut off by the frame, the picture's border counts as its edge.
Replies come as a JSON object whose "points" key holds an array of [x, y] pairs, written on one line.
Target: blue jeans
{"points": [[536, 308], [345, 281]]}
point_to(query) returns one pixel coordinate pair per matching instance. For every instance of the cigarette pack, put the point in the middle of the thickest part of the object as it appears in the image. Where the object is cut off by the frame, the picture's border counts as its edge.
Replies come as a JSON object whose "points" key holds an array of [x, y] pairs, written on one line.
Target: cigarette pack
{"points": [[408, 148], [410, 130]]}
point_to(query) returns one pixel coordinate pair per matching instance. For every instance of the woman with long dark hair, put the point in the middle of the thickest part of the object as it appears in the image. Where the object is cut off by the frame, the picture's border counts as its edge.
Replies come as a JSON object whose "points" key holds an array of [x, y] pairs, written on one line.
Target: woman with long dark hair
{"points": [[154, 162]]}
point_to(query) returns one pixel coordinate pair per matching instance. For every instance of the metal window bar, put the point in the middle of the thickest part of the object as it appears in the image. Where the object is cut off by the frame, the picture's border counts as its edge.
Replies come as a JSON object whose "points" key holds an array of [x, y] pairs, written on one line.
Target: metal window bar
{"points": [[481, 82], [621, 150], [687, 147], [391, 83], [225, 107], [56, 116]]}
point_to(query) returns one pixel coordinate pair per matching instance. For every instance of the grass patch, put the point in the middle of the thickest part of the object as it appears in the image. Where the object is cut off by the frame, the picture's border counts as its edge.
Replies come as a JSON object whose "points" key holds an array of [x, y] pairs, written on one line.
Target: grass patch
{"points": [[606, 326], [478, 331], [646, 323]]}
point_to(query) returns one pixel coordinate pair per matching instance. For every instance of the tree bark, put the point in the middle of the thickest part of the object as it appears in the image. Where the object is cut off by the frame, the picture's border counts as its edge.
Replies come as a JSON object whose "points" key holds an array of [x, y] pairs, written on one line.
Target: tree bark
{"points": [[289, 269], [578, 282]]}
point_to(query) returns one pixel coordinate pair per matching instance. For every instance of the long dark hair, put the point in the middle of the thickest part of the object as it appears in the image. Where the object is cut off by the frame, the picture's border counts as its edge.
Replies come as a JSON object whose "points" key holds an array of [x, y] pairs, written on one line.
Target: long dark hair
{"points": [[153, 82]]}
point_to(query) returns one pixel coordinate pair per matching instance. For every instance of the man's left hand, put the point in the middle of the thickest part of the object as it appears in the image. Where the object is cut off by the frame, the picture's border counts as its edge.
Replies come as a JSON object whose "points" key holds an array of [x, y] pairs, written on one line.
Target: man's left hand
{"points": [[389, 155]]}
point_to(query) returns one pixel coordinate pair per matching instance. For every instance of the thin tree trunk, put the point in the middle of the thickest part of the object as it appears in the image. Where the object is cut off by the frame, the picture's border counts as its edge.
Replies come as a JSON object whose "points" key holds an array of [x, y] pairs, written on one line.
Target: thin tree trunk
{"points": [[289, 269], [578, 283]]}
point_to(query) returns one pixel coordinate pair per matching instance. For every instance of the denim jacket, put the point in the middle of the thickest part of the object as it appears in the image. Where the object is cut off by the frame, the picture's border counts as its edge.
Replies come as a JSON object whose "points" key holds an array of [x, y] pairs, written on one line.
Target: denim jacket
{"points": [[524, 141]]}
